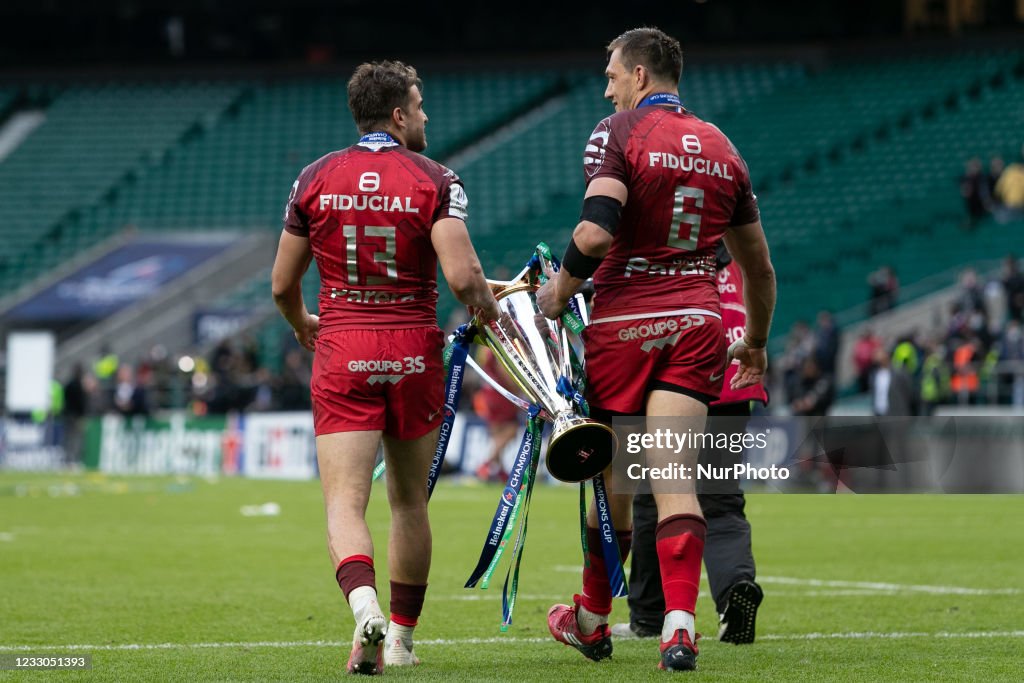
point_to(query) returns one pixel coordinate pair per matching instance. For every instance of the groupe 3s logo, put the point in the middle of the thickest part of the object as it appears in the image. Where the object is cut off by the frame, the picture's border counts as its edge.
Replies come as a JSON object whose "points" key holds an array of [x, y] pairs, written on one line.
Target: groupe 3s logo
{"points": [[392, 371], [660, 333]]}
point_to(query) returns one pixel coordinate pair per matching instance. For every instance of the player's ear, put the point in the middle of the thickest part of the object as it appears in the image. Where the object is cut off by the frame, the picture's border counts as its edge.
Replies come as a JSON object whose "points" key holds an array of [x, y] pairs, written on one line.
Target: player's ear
{"points": [[641, 76], [398, 118]]}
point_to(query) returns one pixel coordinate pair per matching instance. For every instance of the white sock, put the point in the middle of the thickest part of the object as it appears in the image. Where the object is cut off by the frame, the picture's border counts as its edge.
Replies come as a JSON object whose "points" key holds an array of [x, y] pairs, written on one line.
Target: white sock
{"points": [[400, 632], [675, 620], [363, 601], [589, 621]]}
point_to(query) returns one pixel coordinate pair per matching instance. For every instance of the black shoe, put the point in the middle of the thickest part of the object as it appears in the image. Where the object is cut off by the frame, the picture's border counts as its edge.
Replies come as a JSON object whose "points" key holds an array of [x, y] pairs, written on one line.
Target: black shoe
{"points": [[737, 621], [679, 654]]}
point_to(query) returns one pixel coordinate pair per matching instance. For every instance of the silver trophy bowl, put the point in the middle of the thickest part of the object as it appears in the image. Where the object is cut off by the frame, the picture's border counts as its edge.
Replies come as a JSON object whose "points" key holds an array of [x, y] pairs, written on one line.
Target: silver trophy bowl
{"points": [[536, 353]]}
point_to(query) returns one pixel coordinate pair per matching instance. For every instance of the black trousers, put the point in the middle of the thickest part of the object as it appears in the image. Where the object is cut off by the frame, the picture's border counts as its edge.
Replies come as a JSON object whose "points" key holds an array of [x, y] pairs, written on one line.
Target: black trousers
{"points": [[727, 553]]}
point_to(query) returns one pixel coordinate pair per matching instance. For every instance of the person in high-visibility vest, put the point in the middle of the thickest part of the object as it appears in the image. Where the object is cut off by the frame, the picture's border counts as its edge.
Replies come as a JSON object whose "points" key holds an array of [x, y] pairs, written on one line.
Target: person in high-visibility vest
{"points": [[965, 382]]}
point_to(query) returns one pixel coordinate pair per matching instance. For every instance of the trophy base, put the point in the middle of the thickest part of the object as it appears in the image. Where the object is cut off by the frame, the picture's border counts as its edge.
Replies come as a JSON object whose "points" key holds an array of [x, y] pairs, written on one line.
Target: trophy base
{"points": [[579, 449]]}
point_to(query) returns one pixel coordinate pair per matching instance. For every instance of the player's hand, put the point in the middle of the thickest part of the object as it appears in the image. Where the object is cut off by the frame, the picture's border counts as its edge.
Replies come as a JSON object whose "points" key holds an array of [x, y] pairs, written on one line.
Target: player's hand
{"points": [[548, 301], [308, 333], [485, 314], [753, 363]]}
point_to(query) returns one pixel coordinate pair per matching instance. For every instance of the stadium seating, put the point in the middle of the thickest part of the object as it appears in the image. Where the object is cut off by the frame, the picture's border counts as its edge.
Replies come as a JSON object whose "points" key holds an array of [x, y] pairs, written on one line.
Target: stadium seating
{"points": [[855, 164], [93, 140]]}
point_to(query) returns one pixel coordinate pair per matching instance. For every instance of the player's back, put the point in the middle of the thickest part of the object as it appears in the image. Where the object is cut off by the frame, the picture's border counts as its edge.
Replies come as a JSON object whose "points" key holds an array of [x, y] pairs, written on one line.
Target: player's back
{"points": [[369, 210], [687, 184]]}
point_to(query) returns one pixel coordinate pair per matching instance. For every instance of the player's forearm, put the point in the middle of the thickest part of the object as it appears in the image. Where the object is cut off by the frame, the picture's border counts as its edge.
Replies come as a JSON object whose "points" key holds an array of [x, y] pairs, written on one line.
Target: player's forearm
{"points": [[469, 286], [291, 305], [566, 285], [759, 300], [591, 244]]}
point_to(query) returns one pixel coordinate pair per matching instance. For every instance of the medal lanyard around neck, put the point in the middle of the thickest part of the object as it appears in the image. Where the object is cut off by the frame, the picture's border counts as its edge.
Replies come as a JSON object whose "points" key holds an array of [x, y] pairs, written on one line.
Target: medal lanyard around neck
{"points": [[660, 98]]}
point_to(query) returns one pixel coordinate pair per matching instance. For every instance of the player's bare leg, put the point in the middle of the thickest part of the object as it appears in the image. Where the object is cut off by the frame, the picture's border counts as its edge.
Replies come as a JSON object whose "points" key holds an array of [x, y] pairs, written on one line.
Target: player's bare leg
{"points": [[346, 463], [584, 624], [680, 532], [409, 543]]}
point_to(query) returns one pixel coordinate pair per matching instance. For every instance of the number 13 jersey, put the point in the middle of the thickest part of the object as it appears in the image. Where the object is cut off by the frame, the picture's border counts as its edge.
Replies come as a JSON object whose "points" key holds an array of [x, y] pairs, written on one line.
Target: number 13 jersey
{"points": [[687, 185], [368, 211]]}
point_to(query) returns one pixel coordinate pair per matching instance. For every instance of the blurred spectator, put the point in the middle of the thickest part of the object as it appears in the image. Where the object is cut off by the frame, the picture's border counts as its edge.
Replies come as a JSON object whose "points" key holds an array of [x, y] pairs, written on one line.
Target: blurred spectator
{"points": [[969, 315], [935, 377], [1013, 286], [1010, 350], [105, 370], [1009, 192], [814, 392], [965, 379], [826, 343], [881, 378], [903, 399], [130, 397], [905, 354], [79, 396], [293, 382], [884, 288], [976, 192], [799, 345], [864, 358]]}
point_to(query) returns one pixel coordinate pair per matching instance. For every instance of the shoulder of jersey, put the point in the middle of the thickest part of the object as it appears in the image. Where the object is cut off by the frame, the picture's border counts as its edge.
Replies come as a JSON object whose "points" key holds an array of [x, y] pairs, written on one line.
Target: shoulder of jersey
{"points": [[323, 161], [426, 163]]}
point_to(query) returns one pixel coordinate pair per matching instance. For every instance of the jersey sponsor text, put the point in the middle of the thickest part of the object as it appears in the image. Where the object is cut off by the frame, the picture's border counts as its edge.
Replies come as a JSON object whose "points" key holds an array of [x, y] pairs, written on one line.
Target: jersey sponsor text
{"points": [[362, 202]]}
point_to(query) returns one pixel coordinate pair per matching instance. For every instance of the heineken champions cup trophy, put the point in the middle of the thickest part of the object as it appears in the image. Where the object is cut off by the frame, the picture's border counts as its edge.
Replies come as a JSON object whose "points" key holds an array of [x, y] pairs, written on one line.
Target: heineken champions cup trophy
{"points": [[538, 355]]}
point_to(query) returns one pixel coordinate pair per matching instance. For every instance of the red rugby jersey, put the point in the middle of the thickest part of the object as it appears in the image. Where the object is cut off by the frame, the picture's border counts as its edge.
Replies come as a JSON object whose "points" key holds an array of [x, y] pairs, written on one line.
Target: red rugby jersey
{"points": [[687, 184], [734, 320], [368, 211]]}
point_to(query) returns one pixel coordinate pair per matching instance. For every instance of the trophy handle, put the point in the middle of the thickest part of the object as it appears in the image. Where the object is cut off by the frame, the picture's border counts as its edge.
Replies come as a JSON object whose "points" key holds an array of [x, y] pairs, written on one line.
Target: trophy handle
{"points": [[508, 395], [505, 393]]}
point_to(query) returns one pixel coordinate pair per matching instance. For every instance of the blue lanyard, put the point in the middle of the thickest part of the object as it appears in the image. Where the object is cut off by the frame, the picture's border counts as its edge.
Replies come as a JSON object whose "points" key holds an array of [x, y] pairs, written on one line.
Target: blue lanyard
{"points": [[661, 98], [379, 137]]}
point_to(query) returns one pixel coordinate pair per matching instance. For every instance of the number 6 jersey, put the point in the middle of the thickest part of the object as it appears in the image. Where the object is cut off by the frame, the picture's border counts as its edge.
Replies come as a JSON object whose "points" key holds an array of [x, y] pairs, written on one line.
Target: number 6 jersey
{"points": [[368, 211], [687, 184]]}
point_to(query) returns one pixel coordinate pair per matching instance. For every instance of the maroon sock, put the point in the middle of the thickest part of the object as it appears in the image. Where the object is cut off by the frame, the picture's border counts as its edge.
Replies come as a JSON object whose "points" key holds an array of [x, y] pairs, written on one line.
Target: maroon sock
{"points": [[406, 602], [680, 541], [625, 544], [355, 571], [597, 592]]}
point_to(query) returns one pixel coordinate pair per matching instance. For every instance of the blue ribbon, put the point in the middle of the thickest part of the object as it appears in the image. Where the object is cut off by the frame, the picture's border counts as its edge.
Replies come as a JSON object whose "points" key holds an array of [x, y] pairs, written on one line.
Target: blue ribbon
{"points": [[660, 98], [456, 363], [609, 542], [566, 389], [509, 498]]}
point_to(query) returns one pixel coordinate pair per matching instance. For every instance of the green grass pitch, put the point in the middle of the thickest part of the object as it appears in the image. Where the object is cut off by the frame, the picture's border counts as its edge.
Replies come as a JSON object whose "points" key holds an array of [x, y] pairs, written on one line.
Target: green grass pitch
{"points": [[164, 579]]}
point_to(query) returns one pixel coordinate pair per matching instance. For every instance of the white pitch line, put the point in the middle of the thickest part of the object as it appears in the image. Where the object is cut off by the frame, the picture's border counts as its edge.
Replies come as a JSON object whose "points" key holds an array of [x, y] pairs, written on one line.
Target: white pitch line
{"points": [[494, 594], [855, 635], [874, 585]]}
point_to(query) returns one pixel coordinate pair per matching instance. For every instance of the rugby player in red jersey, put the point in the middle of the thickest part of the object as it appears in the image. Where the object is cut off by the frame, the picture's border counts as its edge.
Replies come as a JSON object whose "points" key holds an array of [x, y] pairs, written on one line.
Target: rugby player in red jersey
{"points": [[663, 188], [728, 554], [377, 217]]}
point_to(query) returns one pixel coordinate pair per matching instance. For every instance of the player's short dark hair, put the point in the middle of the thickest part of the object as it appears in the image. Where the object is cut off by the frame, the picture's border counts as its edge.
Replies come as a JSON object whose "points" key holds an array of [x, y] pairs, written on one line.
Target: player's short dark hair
{"points": [[652, 48], [376, 88]]}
